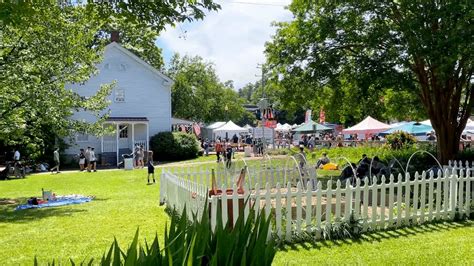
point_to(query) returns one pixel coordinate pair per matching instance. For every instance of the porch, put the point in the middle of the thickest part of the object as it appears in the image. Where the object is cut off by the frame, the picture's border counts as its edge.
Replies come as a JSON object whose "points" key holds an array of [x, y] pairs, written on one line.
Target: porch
{"points": [[129, 133]]}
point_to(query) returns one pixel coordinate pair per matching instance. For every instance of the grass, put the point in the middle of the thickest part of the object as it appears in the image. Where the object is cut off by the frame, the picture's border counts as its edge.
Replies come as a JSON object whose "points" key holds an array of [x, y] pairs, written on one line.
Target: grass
{"points": [[124, 202], [439, 244]]}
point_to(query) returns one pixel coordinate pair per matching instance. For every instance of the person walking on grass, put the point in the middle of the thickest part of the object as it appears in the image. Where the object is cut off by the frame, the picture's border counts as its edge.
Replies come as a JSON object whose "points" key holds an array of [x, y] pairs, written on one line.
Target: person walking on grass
{"points": [[219, 149], [228, 155], [82, 159], [92, 163], [56, 161], [87, 154], [141, 156], [151, 171]]}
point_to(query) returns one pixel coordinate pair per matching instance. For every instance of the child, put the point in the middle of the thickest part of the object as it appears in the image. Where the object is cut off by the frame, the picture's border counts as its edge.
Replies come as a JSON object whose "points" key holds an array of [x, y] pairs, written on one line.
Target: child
{"points": [[151, 170], [228, 155]]}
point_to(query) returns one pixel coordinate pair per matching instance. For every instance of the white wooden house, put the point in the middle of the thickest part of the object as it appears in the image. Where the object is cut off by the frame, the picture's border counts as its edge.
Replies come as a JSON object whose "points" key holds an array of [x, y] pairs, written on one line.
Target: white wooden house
{"points": [[140, 104]]}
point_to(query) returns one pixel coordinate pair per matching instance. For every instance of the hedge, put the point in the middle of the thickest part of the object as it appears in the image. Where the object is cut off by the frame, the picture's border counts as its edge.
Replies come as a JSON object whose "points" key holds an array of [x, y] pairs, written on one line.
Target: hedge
{"points": [[168, 146]]}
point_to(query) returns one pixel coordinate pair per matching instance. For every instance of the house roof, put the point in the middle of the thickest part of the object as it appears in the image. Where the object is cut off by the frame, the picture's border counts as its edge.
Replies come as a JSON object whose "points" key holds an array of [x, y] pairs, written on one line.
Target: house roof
{"points": [[177, 121], [126, 118], [139, 60]]}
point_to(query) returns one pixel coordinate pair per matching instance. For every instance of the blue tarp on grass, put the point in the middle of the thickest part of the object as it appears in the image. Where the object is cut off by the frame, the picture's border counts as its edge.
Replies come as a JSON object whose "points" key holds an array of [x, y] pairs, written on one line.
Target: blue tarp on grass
{"points": [[60, 201]]}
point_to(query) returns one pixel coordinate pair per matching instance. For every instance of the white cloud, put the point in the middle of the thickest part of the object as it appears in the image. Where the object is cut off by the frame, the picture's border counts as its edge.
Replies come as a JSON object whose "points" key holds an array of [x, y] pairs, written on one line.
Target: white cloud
{"points": [[233, 38]]}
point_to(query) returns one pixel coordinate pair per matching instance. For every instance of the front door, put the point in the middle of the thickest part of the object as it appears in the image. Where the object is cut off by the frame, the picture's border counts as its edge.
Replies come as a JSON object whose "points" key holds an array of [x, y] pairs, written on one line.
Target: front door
{"points": [[124, 136]]}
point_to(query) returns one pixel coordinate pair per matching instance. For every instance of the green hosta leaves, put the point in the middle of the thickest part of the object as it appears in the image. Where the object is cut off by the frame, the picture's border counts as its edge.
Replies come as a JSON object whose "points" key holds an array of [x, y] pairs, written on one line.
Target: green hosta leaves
{"points": [[195, 243]]}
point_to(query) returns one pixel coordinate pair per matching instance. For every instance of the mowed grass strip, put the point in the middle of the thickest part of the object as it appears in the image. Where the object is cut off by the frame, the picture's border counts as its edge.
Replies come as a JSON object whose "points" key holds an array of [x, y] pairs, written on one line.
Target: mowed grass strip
{"points": [[123, 203], [431, 244]]}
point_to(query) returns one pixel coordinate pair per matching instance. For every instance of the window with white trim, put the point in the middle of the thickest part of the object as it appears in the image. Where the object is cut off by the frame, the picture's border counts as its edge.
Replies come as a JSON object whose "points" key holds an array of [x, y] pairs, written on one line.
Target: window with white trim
{"points": [[82, 137], [123, 129], [119, 96]]}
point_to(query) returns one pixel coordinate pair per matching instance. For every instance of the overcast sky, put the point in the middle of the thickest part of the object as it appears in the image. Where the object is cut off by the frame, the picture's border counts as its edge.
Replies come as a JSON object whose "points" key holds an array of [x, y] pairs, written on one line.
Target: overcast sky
{"points": [[233, 38]]}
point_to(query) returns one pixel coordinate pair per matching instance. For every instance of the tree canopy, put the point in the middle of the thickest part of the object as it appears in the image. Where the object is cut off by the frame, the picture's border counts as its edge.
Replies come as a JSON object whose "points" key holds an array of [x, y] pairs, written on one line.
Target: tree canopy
{"points": [[406, 46], [198, 94], [45, 46]]}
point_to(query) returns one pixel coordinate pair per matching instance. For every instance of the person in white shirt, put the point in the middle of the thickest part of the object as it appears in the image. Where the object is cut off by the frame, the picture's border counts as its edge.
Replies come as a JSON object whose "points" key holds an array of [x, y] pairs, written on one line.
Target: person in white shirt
{"points": [[56, 160], [92, 161], [16, 156], [16, 163], [87, 154]]}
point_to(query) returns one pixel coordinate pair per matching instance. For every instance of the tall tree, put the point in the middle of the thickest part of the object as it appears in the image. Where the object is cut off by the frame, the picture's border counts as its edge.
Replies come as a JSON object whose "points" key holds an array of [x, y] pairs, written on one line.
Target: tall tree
{"points": [[423, 46], [44, 46], [198, 93]]}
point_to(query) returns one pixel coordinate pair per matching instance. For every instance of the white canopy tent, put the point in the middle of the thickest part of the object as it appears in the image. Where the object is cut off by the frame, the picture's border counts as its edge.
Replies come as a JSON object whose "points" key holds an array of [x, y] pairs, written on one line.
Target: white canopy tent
{"points": [[228, 130], [216, 125], [209, 130], [367, 126], [283, 128], [469, 129]]}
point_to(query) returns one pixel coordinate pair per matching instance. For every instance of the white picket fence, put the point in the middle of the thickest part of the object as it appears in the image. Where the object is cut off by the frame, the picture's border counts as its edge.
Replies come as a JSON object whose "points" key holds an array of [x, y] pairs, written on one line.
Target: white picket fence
{"points": [[296, 208]]}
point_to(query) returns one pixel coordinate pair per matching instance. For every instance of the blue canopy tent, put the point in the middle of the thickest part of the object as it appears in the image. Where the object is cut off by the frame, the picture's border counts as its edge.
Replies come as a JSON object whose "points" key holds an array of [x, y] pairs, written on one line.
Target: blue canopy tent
{"points": [[413, 128]]}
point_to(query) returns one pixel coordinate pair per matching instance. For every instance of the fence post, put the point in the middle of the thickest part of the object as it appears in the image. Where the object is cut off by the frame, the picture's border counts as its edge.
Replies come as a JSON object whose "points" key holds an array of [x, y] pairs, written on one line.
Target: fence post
{"points": [[299, 215], [357, 201], [469, 182], [452, 195], [446, 193], [383, 191], [278, 216], [289, 212], [430, 196], [309, 207], [162, 187], [337, 215], [438, 194], [328, 201], [399, 200], [365, 201], [460, 191], [348, 205], [318, 209]]}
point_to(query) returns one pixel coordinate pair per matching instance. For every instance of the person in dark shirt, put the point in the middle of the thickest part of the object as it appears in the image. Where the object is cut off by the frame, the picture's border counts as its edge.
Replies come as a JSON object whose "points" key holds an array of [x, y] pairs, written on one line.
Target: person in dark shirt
{"points": [[235, 139], [151, 171], [228, 155]]}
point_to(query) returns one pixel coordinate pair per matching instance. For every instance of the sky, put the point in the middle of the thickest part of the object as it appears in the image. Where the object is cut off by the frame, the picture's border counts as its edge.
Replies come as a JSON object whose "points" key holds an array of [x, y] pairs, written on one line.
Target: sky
{"points": [[233, 38]]}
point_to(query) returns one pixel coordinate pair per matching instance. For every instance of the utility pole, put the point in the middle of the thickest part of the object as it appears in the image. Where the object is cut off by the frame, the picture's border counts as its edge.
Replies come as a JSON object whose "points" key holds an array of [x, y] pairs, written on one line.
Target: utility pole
{"points": [[263, 103]]}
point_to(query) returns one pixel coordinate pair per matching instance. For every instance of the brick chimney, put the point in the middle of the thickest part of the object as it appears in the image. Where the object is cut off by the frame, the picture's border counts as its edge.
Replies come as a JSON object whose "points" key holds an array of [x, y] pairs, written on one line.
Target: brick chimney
{"points": [[115, 36]]}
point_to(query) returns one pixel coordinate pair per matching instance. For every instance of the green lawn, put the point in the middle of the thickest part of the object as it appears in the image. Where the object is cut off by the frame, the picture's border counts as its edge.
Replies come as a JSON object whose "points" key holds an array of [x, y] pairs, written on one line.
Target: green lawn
{"points": [[436, 244], [124, 202]]}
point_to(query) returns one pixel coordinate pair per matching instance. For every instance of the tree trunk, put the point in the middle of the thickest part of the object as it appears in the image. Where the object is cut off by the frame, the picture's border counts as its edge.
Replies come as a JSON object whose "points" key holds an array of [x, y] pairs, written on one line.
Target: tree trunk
{"points": [[448, 104], [447, 141]]}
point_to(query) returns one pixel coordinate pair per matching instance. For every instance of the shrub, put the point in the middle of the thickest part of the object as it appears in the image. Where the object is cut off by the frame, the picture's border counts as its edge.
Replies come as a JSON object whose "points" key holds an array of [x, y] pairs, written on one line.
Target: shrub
{"points": [[167, 146], [400, 139], [195, 243]]}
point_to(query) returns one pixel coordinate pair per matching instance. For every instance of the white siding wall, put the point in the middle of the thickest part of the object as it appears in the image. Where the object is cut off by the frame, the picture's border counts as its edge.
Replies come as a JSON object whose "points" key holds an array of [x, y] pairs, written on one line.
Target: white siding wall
{"points": [[146, 93]]}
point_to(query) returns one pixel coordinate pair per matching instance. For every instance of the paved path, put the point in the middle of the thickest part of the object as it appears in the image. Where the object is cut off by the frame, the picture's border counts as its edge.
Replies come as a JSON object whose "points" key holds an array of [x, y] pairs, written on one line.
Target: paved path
{"points": [[171, 164]]}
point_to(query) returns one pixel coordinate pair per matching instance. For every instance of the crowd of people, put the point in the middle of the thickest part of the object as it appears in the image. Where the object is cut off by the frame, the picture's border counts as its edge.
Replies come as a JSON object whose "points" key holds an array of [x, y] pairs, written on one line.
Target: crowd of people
{"points": [[225, 148], [87, 160]]}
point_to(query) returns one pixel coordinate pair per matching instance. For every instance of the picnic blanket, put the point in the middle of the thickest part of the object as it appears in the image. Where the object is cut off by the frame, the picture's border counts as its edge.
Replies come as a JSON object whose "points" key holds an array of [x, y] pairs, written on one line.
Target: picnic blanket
{"points": [[60, 201]]}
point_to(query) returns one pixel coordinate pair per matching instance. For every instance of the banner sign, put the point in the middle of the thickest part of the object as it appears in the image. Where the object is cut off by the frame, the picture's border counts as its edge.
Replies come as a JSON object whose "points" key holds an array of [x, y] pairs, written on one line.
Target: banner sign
{"points": [[307, 116], [271, 123]]}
